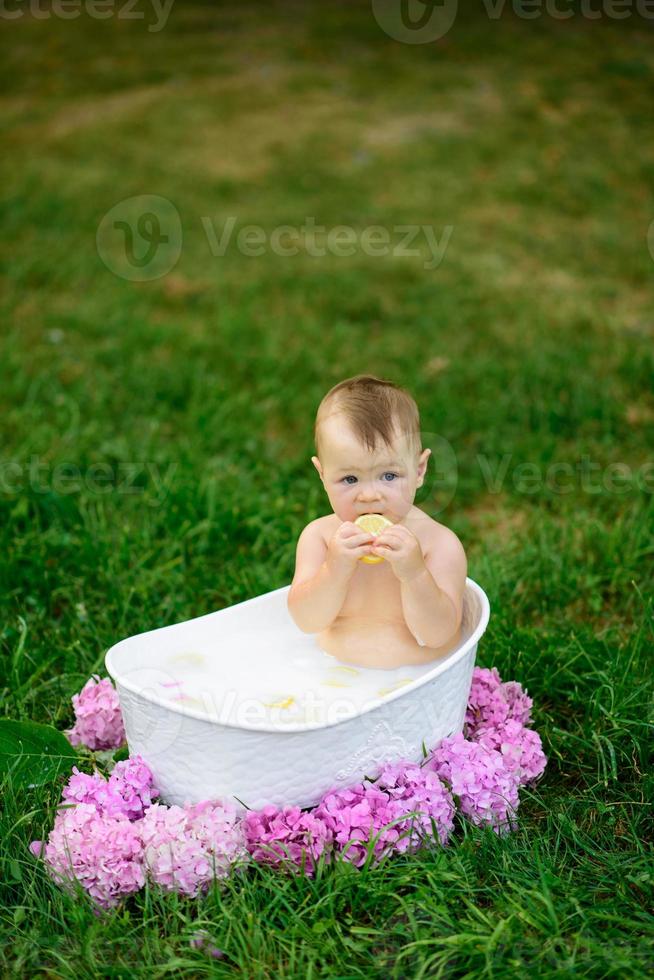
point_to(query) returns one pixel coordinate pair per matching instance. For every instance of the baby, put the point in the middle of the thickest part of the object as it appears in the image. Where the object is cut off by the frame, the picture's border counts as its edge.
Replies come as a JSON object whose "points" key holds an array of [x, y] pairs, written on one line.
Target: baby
{"points": [[407, 608]]}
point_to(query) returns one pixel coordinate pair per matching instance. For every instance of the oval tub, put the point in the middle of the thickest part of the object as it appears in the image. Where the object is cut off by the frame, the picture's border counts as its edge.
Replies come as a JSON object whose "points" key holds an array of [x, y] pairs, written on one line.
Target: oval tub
{"points": [[202, 751]]}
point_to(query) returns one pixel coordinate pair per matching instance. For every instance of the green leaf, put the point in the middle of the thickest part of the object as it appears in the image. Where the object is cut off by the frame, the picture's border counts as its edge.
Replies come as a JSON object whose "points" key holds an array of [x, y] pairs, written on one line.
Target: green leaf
{"points": [[33, 754], [14, 870]]}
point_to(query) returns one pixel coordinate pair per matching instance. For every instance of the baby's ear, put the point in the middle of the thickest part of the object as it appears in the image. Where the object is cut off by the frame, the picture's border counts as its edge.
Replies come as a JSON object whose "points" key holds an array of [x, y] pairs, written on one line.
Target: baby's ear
{"points": [[316, 463], [422, 465]]}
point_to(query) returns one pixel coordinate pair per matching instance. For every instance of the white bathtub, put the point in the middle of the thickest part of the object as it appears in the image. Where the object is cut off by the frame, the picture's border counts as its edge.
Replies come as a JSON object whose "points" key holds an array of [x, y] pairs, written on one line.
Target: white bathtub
{"points": [[196, 753]]}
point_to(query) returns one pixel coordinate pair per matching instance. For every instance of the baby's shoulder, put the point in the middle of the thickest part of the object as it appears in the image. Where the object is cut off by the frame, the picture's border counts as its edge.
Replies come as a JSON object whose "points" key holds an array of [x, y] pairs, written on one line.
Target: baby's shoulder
{"points": [[322, 527], [432, 534]]}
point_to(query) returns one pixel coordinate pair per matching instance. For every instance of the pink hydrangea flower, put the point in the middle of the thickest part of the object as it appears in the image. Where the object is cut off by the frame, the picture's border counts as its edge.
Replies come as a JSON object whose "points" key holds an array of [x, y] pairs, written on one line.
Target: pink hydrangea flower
{"points": [[492, 702], [111, 836], [103, 853], [98, 720], [131, 782], [416, 788], [353, 816], [83, 788], [128, 792], [185, 846], [203, 941], [486, 791], [521, 749], [279, 836]]}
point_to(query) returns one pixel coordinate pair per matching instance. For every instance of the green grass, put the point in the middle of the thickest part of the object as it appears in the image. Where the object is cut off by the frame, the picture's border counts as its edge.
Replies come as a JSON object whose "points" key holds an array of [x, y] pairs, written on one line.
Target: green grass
{"points": [[531, 343]]}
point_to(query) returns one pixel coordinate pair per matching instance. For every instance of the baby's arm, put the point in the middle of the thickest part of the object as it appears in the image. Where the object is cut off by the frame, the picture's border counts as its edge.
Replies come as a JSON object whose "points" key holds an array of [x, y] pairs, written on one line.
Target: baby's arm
{"points": [[322, 574], [433, 600]]}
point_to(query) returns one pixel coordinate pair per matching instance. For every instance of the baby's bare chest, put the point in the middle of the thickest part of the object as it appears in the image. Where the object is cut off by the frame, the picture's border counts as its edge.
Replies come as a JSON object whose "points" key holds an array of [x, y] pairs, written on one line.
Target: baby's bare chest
{"points": [[373, 593]]}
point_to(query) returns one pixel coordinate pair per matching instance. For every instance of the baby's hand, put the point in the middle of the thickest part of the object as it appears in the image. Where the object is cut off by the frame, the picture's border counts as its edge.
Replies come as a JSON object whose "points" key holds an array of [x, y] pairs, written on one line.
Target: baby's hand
{"points": [[348, 544], [400, 547]]}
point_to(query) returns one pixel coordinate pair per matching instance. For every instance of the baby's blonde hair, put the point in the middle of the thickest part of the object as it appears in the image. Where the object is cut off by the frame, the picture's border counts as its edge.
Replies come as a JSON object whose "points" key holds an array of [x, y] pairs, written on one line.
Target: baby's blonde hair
{"points": [[374, 409]]}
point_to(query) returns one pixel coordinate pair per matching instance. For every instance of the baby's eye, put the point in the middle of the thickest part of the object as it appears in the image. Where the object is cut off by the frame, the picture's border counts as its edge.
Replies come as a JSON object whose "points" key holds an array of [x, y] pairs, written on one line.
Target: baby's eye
{"points": [[346, 479], [393, 476]]}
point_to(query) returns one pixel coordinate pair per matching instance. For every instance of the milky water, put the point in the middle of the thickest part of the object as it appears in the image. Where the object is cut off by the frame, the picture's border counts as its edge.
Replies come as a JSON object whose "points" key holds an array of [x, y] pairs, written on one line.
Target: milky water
{"points": [[247, 684]]}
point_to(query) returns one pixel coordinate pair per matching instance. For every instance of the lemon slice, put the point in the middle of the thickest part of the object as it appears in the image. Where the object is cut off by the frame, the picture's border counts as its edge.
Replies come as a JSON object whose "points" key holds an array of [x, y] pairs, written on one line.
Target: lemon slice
{"points": [[282, 703], [192, 659], [374, 523]]}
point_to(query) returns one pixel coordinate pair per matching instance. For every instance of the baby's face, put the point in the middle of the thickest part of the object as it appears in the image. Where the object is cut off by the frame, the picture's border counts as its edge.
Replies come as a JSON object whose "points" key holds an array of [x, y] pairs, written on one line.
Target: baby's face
{"points": [[359, 481]]}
